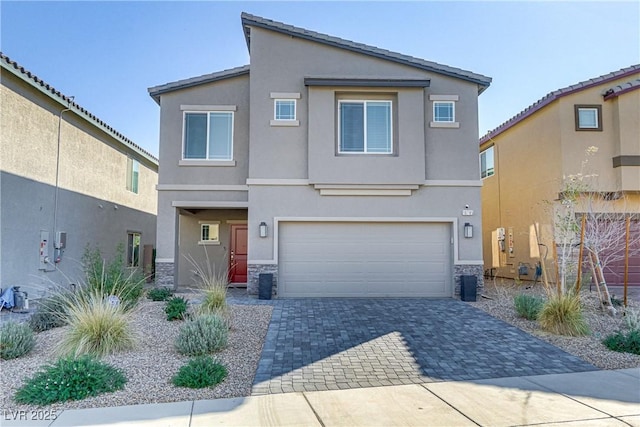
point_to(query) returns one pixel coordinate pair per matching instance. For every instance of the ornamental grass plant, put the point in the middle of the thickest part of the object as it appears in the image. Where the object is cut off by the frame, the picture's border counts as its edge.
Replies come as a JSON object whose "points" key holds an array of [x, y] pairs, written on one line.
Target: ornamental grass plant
{"points": [[562, 315], [16, 339], [528, 306]]}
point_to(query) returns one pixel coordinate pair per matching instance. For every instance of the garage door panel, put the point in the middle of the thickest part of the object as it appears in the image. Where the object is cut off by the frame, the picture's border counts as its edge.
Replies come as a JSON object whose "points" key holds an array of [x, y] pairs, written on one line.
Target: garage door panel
{"points": [[364, 259]]}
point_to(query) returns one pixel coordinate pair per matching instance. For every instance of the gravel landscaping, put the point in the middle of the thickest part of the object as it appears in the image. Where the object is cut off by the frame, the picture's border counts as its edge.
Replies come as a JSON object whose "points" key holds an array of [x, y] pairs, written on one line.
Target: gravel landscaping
{"points": [[150, 367], [589, 348]]}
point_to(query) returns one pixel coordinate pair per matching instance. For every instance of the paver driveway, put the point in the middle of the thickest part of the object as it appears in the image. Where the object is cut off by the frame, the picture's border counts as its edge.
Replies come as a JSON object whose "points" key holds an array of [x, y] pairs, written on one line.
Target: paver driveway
{"points": [[330, 343]]}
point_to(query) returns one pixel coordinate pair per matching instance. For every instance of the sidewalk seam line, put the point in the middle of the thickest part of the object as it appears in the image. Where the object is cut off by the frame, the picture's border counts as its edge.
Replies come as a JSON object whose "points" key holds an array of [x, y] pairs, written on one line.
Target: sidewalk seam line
{"points": [[313, 409], [450, 405], [193, 403]]}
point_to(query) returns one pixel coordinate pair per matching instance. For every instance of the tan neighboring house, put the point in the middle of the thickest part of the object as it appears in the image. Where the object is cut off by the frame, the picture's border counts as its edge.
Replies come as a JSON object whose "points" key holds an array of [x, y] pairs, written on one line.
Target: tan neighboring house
{"points": [[342, 169], [67, 180], [525, 160]]}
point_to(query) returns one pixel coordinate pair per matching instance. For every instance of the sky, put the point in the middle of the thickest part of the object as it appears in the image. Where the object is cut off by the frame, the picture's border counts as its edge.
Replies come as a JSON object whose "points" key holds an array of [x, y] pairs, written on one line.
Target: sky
{"points": [[107, 54]]}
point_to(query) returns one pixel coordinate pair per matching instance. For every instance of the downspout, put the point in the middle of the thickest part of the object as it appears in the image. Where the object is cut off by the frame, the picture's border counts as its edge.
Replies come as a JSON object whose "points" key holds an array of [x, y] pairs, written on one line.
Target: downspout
{"points": [[55, 196]]}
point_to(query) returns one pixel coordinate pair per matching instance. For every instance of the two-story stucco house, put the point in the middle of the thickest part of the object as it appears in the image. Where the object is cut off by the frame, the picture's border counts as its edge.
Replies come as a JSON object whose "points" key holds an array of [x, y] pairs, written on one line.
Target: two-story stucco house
{"points": [[68, 180], [341, 168], [526, 161]]}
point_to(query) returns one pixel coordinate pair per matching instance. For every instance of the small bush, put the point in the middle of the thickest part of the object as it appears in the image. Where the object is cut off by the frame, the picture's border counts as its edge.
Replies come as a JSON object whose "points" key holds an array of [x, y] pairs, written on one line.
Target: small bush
{"points": [[16, 339], [159, 294], [96, 327], [51, 312], [632, 319], [205, 334], [528, 306], [200, 372], [112, 278], [624, 343], [562, 315], [70, 379], [176, 308]]}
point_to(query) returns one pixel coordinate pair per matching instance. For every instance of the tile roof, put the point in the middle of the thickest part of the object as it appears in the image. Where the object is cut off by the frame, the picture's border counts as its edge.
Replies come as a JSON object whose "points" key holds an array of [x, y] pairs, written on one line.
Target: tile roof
{"points": [[622, 88], [552, 96], [27, 76], [249, 20], [156, 91]]}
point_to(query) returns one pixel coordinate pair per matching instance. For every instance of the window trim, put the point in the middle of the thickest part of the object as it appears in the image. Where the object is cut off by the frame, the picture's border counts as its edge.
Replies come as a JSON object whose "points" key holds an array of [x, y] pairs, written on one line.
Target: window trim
{"points": [[365, 152], [453, 111], [206, 161], [209, 224], [441, 99], [275, 109], [493, 170], [597, 108]]}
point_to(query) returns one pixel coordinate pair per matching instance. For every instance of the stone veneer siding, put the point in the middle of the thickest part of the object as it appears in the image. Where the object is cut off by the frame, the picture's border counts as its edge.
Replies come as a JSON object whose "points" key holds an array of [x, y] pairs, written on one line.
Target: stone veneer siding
{"points": [[468, 270], [165, 272], [254, 270]]}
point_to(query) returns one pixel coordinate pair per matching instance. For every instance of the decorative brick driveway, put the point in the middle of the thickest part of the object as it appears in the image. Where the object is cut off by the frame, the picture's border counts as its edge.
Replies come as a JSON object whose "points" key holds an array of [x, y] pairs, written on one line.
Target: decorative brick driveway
{"points": [[328, 344]]}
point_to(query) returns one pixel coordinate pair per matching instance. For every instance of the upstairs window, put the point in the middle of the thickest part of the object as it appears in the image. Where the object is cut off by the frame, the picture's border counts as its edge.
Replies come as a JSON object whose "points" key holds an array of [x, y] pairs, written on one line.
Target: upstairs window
{"points": [[588, 117], [285, 109], [208, 135], [133, 171], [444, 111], [486, 163], [365, 126]]}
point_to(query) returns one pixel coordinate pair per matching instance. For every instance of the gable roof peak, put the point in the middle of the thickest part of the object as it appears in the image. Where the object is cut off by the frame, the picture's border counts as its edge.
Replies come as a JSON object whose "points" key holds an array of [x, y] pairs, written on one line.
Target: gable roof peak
{"points": [[249, 21]]}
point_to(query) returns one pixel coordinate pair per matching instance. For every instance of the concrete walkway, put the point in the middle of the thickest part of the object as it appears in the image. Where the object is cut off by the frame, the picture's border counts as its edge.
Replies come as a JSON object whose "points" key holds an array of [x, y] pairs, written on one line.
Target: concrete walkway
{"points": [[595, 398]]}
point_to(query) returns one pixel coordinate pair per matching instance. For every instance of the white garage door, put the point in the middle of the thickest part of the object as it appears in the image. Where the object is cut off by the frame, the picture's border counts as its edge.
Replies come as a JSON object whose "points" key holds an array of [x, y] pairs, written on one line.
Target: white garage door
{"points": [[330, 259]]}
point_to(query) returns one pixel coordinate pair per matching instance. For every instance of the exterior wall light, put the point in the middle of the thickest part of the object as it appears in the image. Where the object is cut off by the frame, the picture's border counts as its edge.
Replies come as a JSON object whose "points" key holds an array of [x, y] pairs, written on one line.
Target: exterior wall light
{"points": [[468, 230], [263, 229]]}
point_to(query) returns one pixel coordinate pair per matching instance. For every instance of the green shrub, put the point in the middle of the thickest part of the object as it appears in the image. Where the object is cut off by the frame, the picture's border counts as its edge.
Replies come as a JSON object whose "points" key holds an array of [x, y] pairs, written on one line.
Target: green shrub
{"points": [[96, 327], [51, 312], [205, 334], [176, 308], [112, 278], [16, 339], [70, 379], [562, 315], [200, 372], [159, 294], [528, 306], [624, 343], [632, 319]]}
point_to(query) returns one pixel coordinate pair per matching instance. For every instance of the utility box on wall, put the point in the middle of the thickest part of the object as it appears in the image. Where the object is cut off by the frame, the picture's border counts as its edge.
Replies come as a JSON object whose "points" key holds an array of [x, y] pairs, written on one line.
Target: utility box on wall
{"points": [[44, 250]]}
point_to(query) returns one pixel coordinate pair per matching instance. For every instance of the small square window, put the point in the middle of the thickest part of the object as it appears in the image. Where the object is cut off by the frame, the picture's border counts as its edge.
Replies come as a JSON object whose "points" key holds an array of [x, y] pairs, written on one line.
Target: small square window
{"points": [[588, 117], [444, 112], [285, 109], [210, 233]]}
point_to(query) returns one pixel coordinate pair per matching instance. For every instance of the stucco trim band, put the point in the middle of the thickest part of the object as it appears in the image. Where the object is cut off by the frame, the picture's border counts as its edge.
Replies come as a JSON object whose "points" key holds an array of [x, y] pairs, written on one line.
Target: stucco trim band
{"points": [[208, 108], [204, 204], [277, 182], [200, 187], [284, 95], [354, 82], [223, 163], [452, 183]]}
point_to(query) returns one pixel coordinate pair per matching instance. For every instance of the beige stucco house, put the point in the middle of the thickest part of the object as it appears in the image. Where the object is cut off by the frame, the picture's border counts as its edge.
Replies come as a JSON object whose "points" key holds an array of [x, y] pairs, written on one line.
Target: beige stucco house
{"points": [[340, 168], [67, 180], [526, 160]]}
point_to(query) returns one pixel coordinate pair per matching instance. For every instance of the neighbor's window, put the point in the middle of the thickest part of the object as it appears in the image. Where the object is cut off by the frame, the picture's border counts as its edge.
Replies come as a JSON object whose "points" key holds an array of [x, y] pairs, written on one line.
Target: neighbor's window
{"points": [[133, 249], [486, 163], [365, 127], [588, 117], [208, 135], [285, 109], [444, 111], [209, 233], [133, 171]]}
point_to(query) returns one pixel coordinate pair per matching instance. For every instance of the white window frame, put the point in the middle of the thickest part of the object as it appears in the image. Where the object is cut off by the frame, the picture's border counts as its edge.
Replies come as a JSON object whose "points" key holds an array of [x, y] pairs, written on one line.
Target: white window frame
{"points": [[208, 113], [485, 152], [275, 109], [211, 225], [133, 168], [365, 102], [132, 262]]}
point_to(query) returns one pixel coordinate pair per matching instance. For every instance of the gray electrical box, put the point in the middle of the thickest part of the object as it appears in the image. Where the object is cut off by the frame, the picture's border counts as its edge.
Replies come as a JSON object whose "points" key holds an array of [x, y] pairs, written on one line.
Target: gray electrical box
{"points": [[61, 240]]}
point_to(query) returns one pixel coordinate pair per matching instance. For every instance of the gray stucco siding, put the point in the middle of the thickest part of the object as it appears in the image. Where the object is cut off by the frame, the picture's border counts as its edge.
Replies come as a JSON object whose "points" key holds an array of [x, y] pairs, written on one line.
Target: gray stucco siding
{"points": [[27, 208]]}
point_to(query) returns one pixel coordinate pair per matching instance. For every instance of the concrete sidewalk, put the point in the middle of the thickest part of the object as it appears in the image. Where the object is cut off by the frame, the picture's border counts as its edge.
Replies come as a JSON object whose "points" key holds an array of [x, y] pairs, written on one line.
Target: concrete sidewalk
{"points": [[595, 398]]}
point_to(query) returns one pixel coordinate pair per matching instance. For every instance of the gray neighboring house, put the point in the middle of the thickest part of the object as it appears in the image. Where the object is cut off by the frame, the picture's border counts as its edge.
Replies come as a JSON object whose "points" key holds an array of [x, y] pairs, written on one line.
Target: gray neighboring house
{"points": [[67, 180], [341, 168]]}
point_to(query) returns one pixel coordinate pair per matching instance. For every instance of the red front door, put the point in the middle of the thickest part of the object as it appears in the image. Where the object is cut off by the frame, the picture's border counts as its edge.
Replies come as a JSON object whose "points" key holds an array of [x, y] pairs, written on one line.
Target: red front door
{"points": [[238, 255]]}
